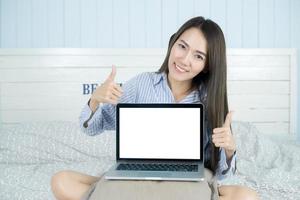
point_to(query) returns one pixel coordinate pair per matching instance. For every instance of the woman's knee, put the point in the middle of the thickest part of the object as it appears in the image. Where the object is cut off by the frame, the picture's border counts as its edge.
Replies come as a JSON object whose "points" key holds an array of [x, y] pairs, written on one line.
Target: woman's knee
{"points": [[237, 193], [59, 184], [245, 193]]}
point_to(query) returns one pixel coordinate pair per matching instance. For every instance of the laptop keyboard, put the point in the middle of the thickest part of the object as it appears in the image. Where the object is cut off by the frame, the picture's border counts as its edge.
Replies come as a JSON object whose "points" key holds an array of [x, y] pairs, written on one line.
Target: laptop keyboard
{"points": [[158, 167]]}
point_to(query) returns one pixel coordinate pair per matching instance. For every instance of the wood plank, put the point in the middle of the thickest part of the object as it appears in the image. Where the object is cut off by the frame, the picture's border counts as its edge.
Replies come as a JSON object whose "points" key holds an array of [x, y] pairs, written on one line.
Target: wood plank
{"points": [[266, 24], [79, 61], [218, 14], [202, 8], [88, 23], [259, 101], [250, 24], [100, 51], [121, 24], [234, 23], [136, 51], [137, 23], [128, 60], [104, 23], [41, 89], [261, 115], [258, 87], [8, 23], [185, 12], [55, 22], [82, 75], [258, 73], [260, 51], [282, 23], [153, 24], [72, 30], [39, 26], [24, 24], [75, 88], [62, 100], [169, 20], [295, 80], [93, 73], [258, 60]]}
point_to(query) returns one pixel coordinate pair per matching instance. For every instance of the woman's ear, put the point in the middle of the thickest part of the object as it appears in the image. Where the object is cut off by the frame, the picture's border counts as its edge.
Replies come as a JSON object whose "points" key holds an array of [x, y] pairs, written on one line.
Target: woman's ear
{"points": [[205, 70]]}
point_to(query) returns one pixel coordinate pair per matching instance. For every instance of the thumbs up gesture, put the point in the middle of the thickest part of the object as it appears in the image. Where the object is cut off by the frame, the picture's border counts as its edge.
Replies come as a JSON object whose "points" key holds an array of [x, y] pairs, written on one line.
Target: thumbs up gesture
{"points": [[108, 92], [222, 137]]}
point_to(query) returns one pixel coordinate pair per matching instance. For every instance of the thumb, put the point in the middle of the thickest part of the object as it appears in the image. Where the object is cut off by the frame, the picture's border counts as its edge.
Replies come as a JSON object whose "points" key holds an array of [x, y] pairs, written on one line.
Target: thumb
{"points": [[228, 119], [112, 74]]}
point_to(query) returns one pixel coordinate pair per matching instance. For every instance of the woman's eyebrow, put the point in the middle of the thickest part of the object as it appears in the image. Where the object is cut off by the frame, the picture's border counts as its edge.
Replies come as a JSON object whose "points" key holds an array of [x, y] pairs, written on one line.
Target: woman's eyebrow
{"points": [[189, 46]]}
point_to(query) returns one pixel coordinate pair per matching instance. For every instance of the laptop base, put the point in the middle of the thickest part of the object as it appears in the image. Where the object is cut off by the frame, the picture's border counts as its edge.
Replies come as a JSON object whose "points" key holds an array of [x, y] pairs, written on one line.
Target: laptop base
{"points": [[114, 174]]}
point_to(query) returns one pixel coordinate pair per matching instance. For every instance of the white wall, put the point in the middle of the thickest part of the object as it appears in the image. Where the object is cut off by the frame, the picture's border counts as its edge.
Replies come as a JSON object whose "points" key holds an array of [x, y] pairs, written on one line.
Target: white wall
{"points": [[144, 23]]}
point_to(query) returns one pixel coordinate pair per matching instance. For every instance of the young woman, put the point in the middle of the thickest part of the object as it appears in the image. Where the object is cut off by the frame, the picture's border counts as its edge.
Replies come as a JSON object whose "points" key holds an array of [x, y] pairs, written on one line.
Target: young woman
{"points": [[193, 71]]}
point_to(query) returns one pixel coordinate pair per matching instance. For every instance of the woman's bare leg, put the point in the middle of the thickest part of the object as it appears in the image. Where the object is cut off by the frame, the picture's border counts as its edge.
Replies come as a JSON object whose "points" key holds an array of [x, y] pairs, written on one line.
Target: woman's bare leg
{"points": [[71, 185], [232, 192]]}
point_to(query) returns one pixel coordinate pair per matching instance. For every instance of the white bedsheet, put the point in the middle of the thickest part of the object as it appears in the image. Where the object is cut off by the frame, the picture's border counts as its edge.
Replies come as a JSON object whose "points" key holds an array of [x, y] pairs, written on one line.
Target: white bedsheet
{"points": [[268, 164], [31, 153]]}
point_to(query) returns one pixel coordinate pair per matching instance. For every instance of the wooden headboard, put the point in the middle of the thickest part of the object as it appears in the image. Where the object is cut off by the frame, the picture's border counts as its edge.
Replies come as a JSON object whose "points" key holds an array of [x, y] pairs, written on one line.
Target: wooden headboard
{"points": [[54, 84]]}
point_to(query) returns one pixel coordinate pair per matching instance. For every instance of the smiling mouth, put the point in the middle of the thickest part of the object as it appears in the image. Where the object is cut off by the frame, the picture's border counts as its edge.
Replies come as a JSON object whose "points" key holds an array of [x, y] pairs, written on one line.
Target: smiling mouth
{"points": [[180, 69]]}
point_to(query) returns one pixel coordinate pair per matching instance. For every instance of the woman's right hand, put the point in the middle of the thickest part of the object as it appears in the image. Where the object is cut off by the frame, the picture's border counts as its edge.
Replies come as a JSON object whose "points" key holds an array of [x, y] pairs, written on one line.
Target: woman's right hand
{"points": [[108, 92]]}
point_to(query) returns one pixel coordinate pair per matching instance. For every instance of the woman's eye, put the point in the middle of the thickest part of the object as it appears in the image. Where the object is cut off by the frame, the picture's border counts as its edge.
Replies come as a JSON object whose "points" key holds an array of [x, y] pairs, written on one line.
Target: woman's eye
{"points": [[181, 46], [199, 57]]}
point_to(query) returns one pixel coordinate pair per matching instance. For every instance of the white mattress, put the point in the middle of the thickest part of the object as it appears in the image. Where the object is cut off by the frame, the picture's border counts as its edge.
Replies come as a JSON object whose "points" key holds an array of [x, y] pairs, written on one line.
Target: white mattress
{"points": [[31, 153]]}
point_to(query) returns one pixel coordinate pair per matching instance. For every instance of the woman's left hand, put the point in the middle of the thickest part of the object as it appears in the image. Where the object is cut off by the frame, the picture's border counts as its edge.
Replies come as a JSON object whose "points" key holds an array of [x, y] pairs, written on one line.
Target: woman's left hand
{"points": [[222, 137]]}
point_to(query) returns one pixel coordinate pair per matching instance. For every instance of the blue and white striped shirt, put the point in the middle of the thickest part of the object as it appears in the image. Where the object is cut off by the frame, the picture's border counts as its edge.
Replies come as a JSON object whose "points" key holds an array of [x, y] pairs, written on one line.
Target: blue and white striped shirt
{"points": [[150, 87]]}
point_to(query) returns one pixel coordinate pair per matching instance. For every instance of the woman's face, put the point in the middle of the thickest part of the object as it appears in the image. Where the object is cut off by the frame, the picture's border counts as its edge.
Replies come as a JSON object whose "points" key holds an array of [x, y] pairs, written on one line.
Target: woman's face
{"points": [[187, 56]]}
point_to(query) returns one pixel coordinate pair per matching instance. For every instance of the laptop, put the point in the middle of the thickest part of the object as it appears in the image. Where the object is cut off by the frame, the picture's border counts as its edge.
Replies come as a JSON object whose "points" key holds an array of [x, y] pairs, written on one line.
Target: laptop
{"points": [[159, 142]]}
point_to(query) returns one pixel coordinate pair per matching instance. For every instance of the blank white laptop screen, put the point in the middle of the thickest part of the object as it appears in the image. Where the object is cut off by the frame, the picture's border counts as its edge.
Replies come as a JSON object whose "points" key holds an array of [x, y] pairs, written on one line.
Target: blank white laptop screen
{"points": [[159, 133]]}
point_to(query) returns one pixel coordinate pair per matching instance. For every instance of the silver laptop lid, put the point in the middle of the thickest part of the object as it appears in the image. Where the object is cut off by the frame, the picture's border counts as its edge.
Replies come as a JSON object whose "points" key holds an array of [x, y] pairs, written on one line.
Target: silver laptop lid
{"points": [[159, 132]]}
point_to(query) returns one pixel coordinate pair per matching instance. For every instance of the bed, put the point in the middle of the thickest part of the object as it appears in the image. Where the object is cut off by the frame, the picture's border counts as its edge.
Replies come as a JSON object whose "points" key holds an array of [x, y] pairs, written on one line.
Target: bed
{"points": [[43, 90]]}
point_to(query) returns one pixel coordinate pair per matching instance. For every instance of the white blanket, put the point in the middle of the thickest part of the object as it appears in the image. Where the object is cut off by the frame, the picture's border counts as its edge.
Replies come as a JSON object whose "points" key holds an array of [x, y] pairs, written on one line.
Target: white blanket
{"points": [[268, 164], [31, 153]]}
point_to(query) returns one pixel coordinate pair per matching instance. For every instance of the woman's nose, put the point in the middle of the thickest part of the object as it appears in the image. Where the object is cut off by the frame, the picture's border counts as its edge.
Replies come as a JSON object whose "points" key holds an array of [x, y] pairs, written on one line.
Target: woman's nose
{"points": [[186, 60]]}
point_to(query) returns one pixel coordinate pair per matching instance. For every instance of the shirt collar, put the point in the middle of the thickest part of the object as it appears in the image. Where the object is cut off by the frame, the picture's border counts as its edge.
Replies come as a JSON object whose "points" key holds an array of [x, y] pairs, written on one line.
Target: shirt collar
{"points": [[194, 96], [158, 77]]}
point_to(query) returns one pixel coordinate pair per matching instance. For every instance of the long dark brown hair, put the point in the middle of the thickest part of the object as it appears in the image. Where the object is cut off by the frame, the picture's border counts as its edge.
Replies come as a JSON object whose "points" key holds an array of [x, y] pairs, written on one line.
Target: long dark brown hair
{"points": [[213, 76]]}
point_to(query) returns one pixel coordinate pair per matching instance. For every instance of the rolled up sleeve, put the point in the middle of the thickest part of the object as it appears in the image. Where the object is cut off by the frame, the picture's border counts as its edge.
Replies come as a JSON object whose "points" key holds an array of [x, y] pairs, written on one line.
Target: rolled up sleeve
{"points": [[226, 168], [99, 121], [104, 118]]}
